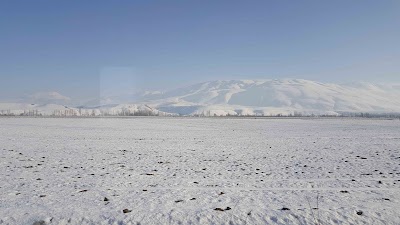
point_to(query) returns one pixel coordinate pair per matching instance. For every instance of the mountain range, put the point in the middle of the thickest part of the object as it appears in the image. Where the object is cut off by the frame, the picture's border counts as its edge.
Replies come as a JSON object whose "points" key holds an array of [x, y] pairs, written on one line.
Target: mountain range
{"points": [[240, 97]]}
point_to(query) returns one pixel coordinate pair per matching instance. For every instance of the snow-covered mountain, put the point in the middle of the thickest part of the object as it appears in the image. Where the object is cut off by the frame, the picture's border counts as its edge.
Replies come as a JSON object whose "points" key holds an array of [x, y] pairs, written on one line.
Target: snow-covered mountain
{"points": [[248, 97], [285, 96]]}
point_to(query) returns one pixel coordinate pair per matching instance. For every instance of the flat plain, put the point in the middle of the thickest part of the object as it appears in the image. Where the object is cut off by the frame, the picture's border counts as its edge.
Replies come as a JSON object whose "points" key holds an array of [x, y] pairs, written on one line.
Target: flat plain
{"points": [[199, 171]]}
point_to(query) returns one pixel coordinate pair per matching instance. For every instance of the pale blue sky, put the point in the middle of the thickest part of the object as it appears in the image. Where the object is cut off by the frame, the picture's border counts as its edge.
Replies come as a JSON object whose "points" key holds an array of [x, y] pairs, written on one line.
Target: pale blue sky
{"points": [[73, 47]]}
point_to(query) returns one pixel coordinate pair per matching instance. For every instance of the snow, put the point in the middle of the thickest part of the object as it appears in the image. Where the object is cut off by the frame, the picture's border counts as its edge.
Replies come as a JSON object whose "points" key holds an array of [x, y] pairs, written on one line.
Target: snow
{"points": [[179, 170], [287, 95], [23, 108], [232, 97], [61, 110]]}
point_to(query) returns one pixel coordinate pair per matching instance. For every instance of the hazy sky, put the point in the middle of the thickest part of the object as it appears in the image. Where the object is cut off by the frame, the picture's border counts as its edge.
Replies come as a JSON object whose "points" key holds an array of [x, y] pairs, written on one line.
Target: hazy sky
{"points": [[76, 47]]}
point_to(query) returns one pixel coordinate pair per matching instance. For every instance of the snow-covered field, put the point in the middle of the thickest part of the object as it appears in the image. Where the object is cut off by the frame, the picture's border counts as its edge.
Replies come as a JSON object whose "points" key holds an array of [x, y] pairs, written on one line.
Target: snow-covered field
{"points": [[199, 171]]}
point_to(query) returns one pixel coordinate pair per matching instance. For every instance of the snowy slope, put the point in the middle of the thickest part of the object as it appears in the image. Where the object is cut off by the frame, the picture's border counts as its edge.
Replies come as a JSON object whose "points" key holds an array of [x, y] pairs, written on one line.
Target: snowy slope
{"points": [[284, 96], [243, 97]]}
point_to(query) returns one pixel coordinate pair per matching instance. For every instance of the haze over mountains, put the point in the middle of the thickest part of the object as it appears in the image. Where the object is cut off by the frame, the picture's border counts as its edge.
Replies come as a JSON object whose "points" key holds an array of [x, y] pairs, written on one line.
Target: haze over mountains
{"points": [[238, 97]]}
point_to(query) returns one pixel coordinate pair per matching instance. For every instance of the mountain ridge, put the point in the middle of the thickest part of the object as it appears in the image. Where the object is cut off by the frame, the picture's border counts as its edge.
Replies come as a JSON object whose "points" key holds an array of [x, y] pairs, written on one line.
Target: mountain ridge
{"points": [[251, 97]]}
